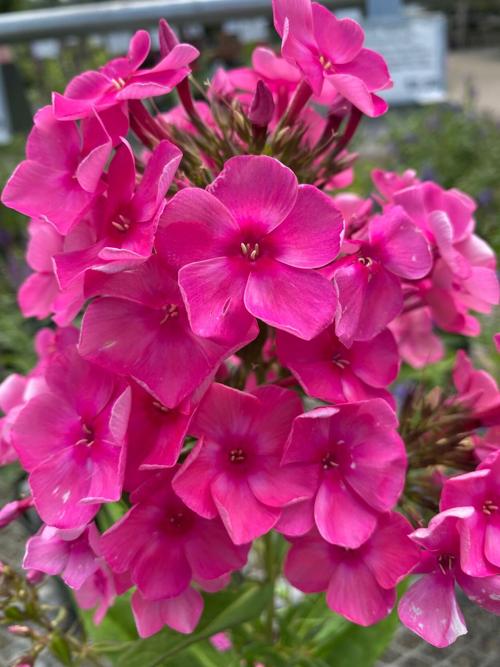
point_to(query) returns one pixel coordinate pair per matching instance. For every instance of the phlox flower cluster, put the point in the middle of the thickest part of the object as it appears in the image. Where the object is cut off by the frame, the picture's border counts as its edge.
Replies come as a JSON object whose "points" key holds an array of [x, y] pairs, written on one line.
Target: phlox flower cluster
{"points": [[227, 327]]}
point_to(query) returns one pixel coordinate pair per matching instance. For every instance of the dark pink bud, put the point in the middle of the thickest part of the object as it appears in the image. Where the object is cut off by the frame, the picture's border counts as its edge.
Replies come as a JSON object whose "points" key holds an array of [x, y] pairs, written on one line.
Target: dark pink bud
{"points": [[35, 576], [168, 38], [262, 107], [12, 510]]}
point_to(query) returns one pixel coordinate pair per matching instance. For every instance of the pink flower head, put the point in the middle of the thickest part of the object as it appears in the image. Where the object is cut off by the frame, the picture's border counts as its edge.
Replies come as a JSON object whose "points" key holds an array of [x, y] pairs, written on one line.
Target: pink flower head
{"points": [[127, 220], [369, 282], [330, 54], [445, 217], [479, 532], [98, 591], [122, 79], [359, 583], [354, 464], [41, 295], [71, 439], [477, 390], [139, 328], [328, 370], [68, 553], [390, 182], [234, 469], [429, 607], [248, 246], [180, 544], [417, 343], [61, 176], [181, 613]]}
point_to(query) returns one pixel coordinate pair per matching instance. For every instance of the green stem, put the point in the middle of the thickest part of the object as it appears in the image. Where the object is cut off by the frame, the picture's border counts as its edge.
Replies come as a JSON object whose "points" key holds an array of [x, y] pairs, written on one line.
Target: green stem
{"points": [[270, 565]]}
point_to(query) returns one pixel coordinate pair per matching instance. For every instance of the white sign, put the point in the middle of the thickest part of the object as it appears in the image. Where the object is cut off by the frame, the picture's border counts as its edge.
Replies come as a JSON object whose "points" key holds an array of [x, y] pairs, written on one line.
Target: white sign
{"points": [[414, 47]]}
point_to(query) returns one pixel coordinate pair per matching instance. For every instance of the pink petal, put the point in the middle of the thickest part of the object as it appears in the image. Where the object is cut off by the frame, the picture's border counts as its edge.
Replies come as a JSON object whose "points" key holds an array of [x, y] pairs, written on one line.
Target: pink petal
{"points": [[192, 482], [341, 517], [298, 12], [354, 593], [162, 569], [243, 515], [492, 540], [211, 554], [339, 40], [299, 301], [273, 421], [310, 563], [296, 519], [310, 235], [281, 485], [37, 295], [138, 49], [429, 608], [257, 190], [376, 362], [370, 67], [195, 226], [356, 91], [484, 591], [213, 293], [180, 613]]}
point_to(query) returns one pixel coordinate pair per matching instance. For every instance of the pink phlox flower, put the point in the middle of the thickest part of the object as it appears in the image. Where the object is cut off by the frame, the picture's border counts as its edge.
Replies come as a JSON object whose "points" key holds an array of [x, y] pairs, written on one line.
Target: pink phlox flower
{"points": [[359, 583], [122, 79], [139, 328], [369, 281], [330, 54], [126, 218], [61, 176], [353, 463], [234, 470], [418, 345], [247, 247], [479, 532], [390, 182], [429, 607], [68, 553], [328, 370], [71, 440], [165, 546], [477, 390]]}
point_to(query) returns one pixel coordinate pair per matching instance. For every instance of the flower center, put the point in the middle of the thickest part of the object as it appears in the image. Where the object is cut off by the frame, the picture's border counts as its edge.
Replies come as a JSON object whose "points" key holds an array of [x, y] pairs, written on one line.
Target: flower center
{"points": [[177, 520], [365, 261], [160, 407], [237, 456], [88, 436], [446, 562], [328, 461], [339, 361], [489, 507], [118, 83], [325, 63], [250, 250], [171, 312], [122, 224]]}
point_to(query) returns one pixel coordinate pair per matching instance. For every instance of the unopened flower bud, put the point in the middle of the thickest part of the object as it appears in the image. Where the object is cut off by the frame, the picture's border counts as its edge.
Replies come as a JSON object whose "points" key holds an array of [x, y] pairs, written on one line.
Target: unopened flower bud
{"points": [[35, 576], [12, 510], [262, 106], [19, 630], [167, 37]]}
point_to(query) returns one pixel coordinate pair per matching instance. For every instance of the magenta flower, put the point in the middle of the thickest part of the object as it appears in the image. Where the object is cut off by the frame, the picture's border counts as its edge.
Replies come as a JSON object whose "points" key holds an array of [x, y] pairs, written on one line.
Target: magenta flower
{"points": [[181, 613], [477, 390], [67, 553], [71, 439], [330, 54], [354, 462], [390, 182], [61, 176], [247, 246], [122, 79], [180, 545], [139, 328], [418, 345], [359, 583], [429, 606], [98, 591], [125, 221], [369, 281], [328, 370], [479, 532], [234, 469]]}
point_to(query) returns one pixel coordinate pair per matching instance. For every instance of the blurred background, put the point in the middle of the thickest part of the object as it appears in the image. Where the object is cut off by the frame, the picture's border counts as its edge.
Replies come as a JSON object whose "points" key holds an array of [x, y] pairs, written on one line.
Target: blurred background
{"points": [[444, 122]]}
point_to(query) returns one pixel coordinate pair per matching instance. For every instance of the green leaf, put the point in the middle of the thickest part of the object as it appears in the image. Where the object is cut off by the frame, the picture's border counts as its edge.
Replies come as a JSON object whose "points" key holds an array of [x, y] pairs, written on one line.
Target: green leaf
{"points": [[60, 648], [223, 610], [118, 624], [355, 645]]}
